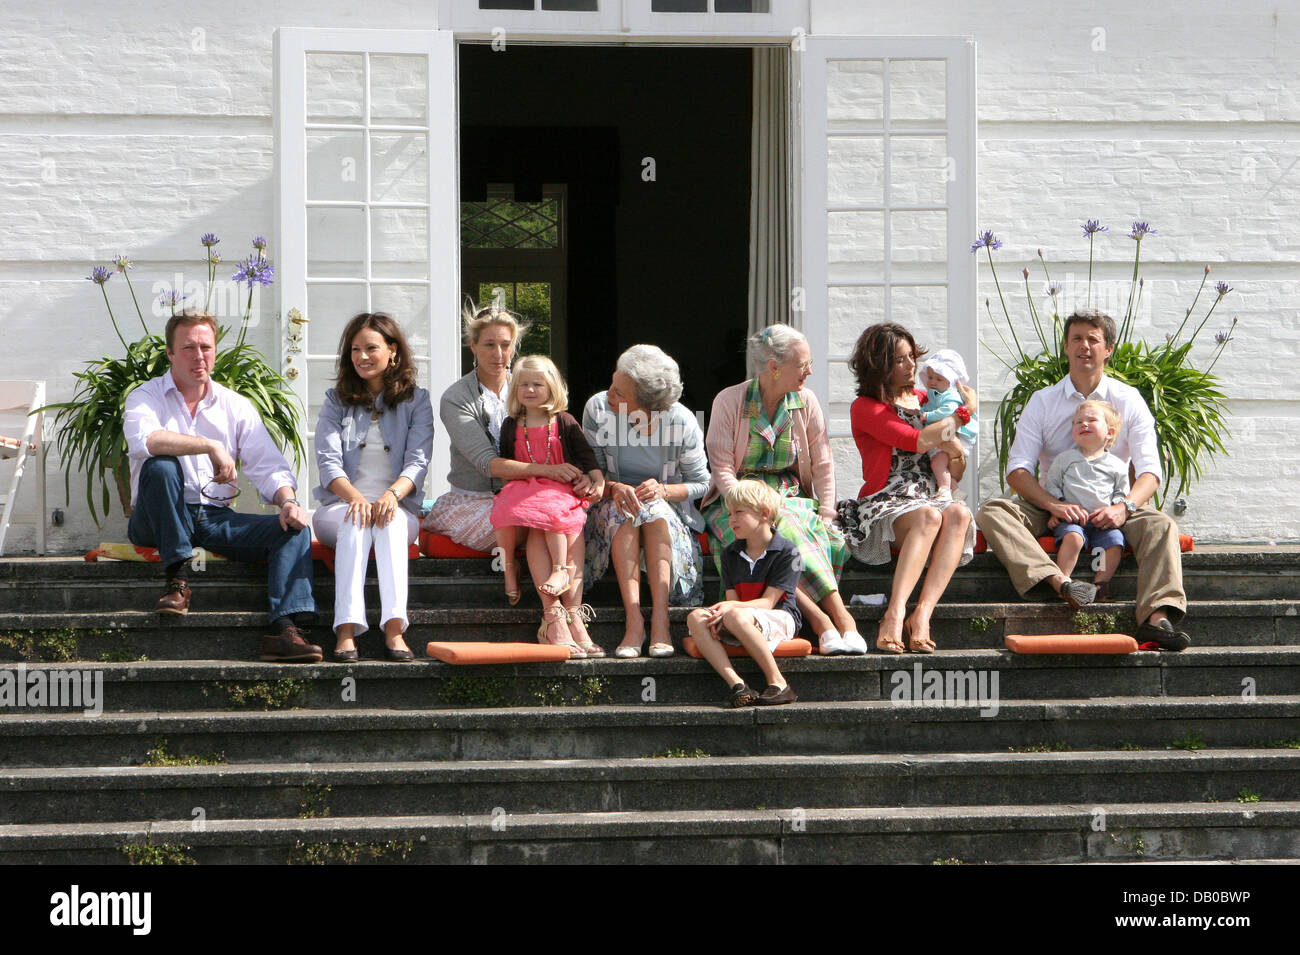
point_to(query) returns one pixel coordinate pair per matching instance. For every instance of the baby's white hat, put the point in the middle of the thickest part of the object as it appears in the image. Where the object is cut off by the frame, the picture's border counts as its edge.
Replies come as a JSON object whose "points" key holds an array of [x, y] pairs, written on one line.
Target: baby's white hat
{"points": [[948, 363]]}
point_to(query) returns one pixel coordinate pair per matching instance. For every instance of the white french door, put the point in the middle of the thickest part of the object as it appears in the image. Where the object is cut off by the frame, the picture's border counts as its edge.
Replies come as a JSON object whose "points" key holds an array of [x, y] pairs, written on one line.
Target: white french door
{"points": [[368, 215], [886, 128]]}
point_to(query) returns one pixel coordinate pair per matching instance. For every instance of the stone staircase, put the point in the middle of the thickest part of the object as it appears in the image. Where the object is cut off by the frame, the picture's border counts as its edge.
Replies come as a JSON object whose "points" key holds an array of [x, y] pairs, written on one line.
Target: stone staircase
{"points": [[201, 753]]}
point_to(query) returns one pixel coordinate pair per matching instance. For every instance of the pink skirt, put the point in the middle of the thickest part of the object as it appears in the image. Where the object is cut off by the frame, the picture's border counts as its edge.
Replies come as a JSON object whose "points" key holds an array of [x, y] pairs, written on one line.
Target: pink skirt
{"points": [[541, 503]]}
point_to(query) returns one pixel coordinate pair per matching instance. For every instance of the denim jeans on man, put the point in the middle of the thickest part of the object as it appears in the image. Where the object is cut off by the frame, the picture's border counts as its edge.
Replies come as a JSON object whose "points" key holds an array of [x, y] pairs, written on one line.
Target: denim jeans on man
{"points": [[162, 519]]}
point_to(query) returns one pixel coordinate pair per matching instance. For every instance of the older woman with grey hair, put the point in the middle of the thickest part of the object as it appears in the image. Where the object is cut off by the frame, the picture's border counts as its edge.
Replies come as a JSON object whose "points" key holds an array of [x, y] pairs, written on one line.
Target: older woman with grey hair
{"points": [[651, 449]]}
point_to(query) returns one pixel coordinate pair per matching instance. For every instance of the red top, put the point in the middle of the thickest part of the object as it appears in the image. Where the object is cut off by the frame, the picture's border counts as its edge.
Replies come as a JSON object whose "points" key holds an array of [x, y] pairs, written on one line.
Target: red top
{"points": [[877, 430]]}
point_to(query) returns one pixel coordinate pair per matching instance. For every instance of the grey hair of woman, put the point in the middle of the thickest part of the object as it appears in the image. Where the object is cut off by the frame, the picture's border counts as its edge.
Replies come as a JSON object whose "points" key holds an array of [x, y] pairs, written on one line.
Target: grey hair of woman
{"points": [[655, 376], [772, 343]]}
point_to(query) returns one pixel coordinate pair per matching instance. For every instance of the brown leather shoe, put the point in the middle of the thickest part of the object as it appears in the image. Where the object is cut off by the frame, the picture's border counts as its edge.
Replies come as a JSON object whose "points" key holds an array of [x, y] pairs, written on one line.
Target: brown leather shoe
{"points": [[177, 598], [290, 647]]}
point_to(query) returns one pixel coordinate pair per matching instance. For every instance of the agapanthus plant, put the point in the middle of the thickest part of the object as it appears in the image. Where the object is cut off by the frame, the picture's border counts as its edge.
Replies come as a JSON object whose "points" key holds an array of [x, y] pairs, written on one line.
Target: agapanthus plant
{"points": [[1187, 403], [89, 427]]}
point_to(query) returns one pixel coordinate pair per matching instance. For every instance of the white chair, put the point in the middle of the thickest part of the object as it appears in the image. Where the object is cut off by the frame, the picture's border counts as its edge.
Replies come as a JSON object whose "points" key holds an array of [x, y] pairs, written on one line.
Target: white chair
{"points": [[22, 440]]}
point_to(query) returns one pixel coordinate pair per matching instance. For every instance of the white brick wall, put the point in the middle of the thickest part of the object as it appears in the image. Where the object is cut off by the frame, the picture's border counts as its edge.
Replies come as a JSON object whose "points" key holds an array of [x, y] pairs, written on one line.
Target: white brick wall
{"points": [[137, 132]]}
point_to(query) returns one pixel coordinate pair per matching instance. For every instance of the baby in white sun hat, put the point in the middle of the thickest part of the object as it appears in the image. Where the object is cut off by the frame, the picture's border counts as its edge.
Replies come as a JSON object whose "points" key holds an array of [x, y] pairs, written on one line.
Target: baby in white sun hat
{"points": [[940, 373]]}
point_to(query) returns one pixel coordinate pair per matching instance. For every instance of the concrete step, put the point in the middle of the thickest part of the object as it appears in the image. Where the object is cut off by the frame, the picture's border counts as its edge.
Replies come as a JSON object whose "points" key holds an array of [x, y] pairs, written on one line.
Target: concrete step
{"points": [[876, 726], [206, 635], [296, 790], [990, 675], [971, 834], [73, 585]]}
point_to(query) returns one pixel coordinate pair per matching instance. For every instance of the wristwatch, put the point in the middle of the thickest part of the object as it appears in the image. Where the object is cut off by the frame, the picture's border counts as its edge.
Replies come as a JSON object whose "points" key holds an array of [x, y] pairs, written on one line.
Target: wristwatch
{"points": [[1128, 506]]}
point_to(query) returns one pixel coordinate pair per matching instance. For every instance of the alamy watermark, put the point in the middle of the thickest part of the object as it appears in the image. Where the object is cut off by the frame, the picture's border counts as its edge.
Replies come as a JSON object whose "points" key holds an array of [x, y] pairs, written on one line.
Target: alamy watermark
{"points": [[946, 688], [52, 687]]}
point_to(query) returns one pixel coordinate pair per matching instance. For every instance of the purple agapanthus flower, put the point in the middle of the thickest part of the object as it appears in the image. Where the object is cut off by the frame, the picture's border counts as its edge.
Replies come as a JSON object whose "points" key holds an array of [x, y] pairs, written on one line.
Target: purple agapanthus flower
{"points": [[1093, 226], [986, 239], [100, 274], [1223, 288], [171, 299], [1222, 338], [259, 242], [254, 270], [1054, 289], [1141, 230], [123, 263], [209, 239]]}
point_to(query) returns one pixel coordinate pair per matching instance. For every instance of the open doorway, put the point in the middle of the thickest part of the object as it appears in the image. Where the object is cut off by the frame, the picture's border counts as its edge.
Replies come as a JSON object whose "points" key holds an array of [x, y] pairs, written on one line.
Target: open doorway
{"points": [[620, 182]]}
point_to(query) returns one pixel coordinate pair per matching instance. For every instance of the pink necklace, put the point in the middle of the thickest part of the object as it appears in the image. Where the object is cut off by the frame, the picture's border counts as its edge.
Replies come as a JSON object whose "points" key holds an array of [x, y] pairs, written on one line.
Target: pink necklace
{"points": [[528, 445]]}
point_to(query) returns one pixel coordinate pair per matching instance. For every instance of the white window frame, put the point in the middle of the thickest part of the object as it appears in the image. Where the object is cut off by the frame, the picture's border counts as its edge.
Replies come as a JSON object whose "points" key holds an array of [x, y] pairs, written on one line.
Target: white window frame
{"points": [[810, 255], [622, 20]]}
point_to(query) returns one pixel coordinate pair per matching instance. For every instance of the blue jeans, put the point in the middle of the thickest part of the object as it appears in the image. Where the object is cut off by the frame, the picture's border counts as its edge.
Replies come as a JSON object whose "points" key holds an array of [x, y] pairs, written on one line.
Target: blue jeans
{"points": [[162, 519], [1093, 537]]}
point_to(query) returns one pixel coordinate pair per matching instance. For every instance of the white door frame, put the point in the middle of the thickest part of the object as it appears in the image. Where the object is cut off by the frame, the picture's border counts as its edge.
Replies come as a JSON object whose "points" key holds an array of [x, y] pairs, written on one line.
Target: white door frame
{"points": [[443, 278], [810, 255]]}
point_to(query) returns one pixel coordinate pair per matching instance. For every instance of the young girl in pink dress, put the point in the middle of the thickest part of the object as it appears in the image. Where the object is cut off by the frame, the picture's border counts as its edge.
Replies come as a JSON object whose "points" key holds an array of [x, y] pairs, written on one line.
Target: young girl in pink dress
{"points": [[540, 431]]}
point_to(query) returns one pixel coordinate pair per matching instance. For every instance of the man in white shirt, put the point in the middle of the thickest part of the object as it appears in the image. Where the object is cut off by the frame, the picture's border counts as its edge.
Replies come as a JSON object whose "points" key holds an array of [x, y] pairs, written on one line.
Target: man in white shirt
{"points": [[1012, 526], [184, 433]]}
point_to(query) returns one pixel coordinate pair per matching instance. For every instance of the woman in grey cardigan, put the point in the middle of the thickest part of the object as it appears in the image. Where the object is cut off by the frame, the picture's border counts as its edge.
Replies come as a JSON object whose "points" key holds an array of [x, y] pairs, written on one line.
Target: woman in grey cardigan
{"points": [[373, 442], [472, 411], [651, 449]]}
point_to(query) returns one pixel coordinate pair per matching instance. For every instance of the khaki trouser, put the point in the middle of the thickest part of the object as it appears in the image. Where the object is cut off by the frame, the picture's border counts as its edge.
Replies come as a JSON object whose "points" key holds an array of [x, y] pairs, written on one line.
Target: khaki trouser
{"points": [[1011, 528]]}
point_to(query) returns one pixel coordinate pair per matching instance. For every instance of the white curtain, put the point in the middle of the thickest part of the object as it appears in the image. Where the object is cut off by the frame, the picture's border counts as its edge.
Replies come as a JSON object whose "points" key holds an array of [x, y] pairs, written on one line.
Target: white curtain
{"points": [[769, 199]]}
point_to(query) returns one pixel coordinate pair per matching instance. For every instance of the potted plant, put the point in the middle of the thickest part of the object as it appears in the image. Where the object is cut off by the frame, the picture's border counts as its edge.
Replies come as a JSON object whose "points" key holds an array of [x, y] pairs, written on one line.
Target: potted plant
{"points": [[88, 429], [1186, 402]]}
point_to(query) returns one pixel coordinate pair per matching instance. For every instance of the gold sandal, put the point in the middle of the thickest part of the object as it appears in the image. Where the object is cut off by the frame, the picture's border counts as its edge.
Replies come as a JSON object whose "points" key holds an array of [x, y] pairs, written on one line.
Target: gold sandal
{"points": [[552, 590], [556, 613], [585, 614]]}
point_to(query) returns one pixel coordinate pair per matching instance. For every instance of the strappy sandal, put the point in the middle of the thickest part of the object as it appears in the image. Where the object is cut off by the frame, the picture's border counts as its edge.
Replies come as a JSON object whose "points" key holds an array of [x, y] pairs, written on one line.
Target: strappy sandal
{"points": [[513, 595], [551, 590], [585, 613], [556, 613]]}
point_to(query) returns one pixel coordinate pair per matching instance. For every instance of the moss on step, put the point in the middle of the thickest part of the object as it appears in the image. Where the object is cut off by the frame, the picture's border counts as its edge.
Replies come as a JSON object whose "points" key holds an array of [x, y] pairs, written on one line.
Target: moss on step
{"points": [[349, 853], [263, 695], [147, 853], [158, 756]]}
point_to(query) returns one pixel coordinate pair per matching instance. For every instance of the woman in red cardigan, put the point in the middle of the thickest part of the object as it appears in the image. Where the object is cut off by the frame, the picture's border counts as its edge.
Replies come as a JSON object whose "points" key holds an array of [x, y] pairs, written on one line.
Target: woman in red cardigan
{"points": [[899, 502]]}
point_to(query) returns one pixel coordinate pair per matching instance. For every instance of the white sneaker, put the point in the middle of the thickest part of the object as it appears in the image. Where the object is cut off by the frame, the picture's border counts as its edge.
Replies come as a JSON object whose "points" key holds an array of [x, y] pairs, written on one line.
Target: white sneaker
{"points": [[854, 642], [832, 644]]}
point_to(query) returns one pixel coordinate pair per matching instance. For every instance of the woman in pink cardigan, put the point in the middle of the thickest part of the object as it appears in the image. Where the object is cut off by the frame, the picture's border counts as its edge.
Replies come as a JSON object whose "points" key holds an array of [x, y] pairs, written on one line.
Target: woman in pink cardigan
{"points": [[771, 429], [899, 501]]}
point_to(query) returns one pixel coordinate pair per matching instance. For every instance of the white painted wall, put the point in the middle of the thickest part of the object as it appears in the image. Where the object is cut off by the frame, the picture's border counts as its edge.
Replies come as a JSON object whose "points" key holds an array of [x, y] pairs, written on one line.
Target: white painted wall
{"points": [[138, 127], [1184, 115]]}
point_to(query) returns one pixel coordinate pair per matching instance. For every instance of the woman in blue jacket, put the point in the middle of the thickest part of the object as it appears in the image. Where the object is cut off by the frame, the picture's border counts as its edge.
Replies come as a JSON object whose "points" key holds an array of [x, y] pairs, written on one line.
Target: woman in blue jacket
{"points": [[373, 442]]}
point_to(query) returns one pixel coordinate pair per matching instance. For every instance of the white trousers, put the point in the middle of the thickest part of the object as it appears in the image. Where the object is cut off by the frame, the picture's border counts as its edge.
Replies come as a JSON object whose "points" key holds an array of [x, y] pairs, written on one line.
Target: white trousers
{"points": [[352, 546]]}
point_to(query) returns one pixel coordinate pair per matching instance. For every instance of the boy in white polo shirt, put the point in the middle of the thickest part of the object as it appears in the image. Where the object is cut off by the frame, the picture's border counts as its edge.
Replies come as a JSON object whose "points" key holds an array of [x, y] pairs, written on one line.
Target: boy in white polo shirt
{"points": [[760, 571]]}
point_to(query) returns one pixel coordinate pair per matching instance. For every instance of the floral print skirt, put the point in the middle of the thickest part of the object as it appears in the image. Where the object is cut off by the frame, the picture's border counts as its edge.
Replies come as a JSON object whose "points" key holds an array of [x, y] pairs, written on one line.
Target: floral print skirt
{"points": [[686, 587], [869, 523]]}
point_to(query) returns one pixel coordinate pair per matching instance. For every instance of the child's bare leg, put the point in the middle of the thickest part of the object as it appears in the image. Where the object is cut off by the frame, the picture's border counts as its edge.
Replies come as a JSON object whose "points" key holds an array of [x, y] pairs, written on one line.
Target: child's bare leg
{"points": [[557, 546], [507, 541], [1067, 552], [942, 473], [1110, 558], [710, 646], [739, 622]]}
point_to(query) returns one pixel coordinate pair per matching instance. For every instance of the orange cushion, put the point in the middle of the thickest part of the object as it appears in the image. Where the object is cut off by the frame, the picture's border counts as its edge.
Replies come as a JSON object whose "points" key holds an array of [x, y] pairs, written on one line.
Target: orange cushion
{"points": [[462, 653], [1072, 643], [439, 545], [326, 554], [1185, 545], [798, 647]]}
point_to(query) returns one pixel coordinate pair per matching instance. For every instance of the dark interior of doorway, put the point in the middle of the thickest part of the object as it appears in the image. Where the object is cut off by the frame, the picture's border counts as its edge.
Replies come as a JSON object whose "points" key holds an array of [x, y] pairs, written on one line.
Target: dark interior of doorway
{"points": [[663, 261]]}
